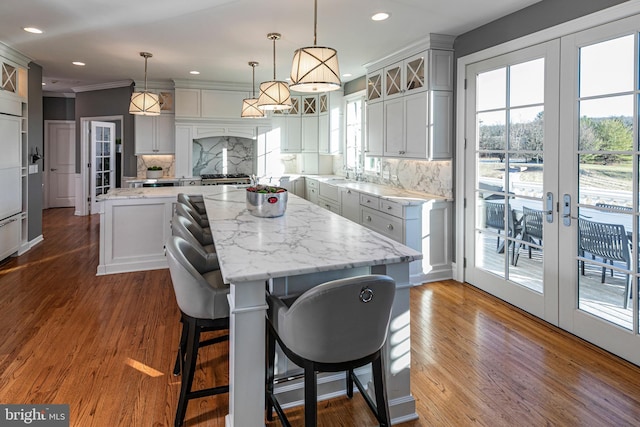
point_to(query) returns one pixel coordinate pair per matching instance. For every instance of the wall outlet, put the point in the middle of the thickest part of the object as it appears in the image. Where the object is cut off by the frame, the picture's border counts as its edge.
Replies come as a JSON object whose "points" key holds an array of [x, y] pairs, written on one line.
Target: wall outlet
{"points": [[385, 174], [33, 168]]}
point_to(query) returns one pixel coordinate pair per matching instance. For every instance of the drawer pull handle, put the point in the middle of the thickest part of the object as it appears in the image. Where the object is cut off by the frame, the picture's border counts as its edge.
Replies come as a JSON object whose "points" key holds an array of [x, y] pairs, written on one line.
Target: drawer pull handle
{"points": [[368, 218], [389, 208], [8, 222], [390, 227]]}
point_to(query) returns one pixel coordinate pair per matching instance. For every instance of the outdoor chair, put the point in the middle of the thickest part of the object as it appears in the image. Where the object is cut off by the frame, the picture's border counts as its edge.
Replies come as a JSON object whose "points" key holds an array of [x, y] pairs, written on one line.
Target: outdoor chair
{"points": [[531, 229], [607, 241]]}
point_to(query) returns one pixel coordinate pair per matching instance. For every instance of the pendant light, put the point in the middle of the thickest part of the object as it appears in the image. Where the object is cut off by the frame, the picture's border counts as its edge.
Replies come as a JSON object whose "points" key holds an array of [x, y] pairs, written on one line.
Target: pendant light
{"points": [[250, 105], [145, 103], [274, 95], [315, 68]]}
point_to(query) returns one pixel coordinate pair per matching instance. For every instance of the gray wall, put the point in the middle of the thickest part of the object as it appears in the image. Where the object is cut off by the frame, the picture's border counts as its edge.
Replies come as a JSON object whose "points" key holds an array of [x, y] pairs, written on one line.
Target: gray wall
{"points": [[536, 17], [108, 102], [55, 108], [355, 85], [35, 139]]}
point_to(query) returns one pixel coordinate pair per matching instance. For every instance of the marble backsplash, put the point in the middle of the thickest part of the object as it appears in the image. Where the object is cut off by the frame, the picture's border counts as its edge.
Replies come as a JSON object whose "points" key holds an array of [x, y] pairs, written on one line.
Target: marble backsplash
{"points": [[165, 161], [431, 177]]}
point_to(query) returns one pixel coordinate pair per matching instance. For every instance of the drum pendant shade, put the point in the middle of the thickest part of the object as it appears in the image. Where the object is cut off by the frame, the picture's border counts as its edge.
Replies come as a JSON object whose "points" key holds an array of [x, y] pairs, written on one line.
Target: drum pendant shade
{"points": [[274, 94], [145, 103], [315, 68]]}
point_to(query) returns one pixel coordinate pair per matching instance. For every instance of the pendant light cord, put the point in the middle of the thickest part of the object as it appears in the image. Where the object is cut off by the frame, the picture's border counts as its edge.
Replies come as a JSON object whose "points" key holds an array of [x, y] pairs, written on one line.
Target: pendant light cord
{"points": [[315, 22], [274, 58], [145, 73]]}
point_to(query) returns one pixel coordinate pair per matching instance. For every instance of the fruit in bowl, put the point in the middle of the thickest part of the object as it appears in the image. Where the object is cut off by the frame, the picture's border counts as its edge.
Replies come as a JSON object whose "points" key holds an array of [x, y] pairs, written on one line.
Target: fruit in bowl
{"points": [[266, 201], [263, 189]]}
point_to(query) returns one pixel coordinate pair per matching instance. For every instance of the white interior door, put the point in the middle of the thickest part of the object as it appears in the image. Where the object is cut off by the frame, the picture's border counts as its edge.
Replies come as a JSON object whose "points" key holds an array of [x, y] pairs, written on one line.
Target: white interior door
{"points": [[60, 149], [511, 178], [599, 185], [103, 160]]}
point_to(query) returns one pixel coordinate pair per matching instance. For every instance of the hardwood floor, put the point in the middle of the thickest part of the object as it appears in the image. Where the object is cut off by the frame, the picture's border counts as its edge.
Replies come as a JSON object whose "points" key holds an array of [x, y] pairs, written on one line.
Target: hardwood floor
{"points": [[106, 346]]}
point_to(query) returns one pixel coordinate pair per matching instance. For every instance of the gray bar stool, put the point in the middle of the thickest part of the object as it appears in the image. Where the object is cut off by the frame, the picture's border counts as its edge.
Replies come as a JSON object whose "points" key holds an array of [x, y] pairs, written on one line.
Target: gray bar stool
{"points": [[336, 326], [187, 210], [201, 233], [196, 202], [191, 232], [207, 261], [202, 299]]}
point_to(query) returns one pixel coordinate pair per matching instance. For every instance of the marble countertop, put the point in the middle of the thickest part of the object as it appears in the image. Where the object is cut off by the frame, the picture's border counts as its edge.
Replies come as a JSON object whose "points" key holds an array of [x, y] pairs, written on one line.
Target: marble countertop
{"points": [[306, 239], [403, 197], [398, 195]]}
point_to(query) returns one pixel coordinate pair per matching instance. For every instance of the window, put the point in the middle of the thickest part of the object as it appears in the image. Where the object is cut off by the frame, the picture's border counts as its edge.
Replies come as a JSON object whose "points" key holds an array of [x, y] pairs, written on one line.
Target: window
{"points": [[354, 125]]}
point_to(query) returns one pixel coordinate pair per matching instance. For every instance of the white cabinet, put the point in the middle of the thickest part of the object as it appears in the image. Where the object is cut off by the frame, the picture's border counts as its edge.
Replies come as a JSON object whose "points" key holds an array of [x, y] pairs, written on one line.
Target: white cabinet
{"points": [[350, 204], [311, 190], [330, 122], [375, 129], [425, 228], [329, 197], [291, 127], [409, 107], [155, 134], [208, 103], [295, 186], [309, 123]]}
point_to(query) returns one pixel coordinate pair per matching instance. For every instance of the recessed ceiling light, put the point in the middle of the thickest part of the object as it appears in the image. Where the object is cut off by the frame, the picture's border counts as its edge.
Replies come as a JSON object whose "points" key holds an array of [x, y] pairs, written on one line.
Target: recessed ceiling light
{"points": [[33, 30], [194, 72], [380, 16], [78, 63], [346, 75]]}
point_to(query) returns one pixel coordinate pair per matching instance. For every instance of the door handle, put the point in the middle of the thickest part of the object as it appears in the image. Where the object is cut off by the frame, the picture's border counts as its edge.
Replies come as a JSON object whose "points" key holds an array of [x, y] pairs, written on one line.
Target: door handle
{"points": [[549, 210], [566, 210]]}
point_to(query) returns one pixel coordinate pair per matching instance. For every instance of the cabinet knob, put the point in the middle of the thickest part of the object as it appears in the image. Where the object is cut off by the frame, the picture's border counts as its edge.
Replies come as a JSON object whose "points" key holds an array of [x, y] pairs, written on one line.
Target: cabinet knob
{"points": [[368, 218], [389, 208], [390, 227]]}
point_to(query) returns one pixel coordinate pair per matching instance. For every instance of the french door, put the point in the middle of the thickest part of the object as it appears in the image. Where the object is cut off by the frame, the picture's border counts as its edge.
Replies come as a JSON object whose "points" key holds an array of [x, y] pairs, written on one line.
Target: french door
{"points": [[599, 186], [511, 186], [103, 155], [552, 180]]}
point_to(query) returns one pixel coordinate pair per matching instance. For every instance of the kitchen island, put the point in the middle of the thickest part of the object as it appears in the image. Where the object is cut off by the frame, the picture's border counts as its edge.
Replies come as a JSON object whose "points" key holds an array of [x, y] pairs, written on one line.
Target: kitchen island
{"points": [[306, 246], [289, 254]]}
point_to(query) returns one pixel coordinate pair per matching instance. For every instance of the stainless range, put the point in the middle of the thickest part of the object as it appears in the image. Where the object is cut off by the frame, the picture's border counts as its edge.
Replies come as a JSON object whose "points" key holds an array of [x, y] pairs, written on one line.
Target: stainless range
{"points": [[225, 179]]}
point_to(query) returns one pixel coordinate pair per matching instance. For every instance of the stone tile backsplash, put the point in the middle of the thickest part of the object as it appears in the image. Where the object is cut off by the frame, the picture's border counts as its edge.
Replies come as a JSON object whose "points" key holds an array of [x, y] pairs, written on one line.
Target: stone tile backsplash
{"points": [[166, 161]]}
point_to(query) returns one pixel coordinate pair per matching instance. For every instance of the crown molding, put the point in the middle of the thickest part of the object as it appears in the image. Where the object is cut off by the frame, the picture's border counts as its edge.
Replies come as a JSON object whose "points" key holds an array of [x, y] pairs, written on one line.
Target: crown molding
{"points": [[46, 94], [204, 84], [102, 86], [431, 41]]}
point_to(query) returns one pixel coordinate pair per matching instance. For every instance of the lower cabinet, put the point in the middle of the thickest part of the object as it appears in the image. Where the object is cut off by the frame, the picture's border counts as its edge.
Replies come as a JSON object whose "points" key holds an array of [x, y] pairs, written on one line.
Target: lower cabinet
{"points": [[425, 227]]}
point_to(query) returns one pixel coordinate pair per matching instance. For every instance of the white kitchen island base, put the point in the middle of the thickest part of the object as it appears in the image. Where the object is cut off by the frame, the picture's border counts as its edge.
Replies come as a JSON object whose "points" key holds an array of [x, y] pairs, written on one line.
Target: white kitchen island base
{"points": [[307, 246]]}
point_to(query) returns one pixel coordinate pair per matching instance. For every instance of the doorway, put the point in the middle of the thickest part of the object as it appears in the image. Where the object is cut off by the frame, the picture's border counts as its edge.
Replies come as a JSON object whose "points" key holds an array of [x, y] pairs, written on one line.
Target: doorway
{"points": [[87, 183], [60, 163], [552, 172]]}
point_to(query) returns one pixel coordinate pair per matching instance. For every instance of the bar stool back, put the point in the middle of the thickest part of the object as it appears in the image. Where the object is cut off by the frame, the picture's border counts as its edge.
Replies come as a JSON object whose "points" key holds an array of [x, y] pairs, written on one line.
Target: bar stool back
{"points": [[202, 234], [187, 209], [336, 326], [202, 299], [196, 202]]}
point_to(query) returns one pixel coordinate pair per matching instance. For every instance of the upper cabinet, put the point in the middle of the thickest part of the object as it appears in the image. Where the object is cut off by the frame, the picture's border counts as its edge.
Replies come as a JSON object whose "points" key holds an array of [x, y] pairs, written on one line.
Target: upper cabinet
{"points": [[410, 102], [209, 103], [312, 125], [157, 134]]}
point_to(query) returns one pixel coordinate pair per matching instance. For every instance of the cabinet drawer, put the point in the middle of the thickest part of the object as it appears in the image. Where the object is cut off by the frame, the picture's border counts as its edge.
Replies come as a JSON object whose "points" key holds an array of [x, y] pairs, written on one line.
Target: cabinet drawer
{"points": [[370, 201], [311, 183], [391, 208], [9, 236], [329, 205], [387, 225]]}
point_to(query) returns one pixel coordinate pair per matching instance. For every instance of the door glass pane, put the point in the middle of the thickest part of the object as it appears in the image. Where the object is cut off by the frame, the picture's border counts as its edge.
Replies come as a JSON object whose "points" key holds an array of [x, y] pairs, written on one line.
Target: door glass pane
{"points": [[606, 124], [527, 83], [510, 167], [606, 157], [526, 128], [491, 90], [492, 130], [607, 67]]}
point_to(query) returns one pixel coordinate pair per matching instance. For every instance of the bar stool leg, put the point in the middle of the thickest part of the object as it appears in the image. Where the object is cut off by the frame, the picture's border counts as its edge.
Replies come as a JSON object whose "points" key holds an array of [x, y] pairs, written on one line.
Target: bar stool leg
{"points": [[310, 396], [193, 339], [182, 348], [381, 392]]}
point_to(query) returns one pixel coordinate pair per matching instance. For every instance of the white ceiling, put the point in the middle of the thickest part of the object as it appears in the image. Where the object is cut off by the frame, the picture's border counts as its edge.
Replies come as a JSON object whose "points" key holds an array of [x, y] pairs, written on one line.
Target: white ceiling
{"points": [[219, 37]]}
